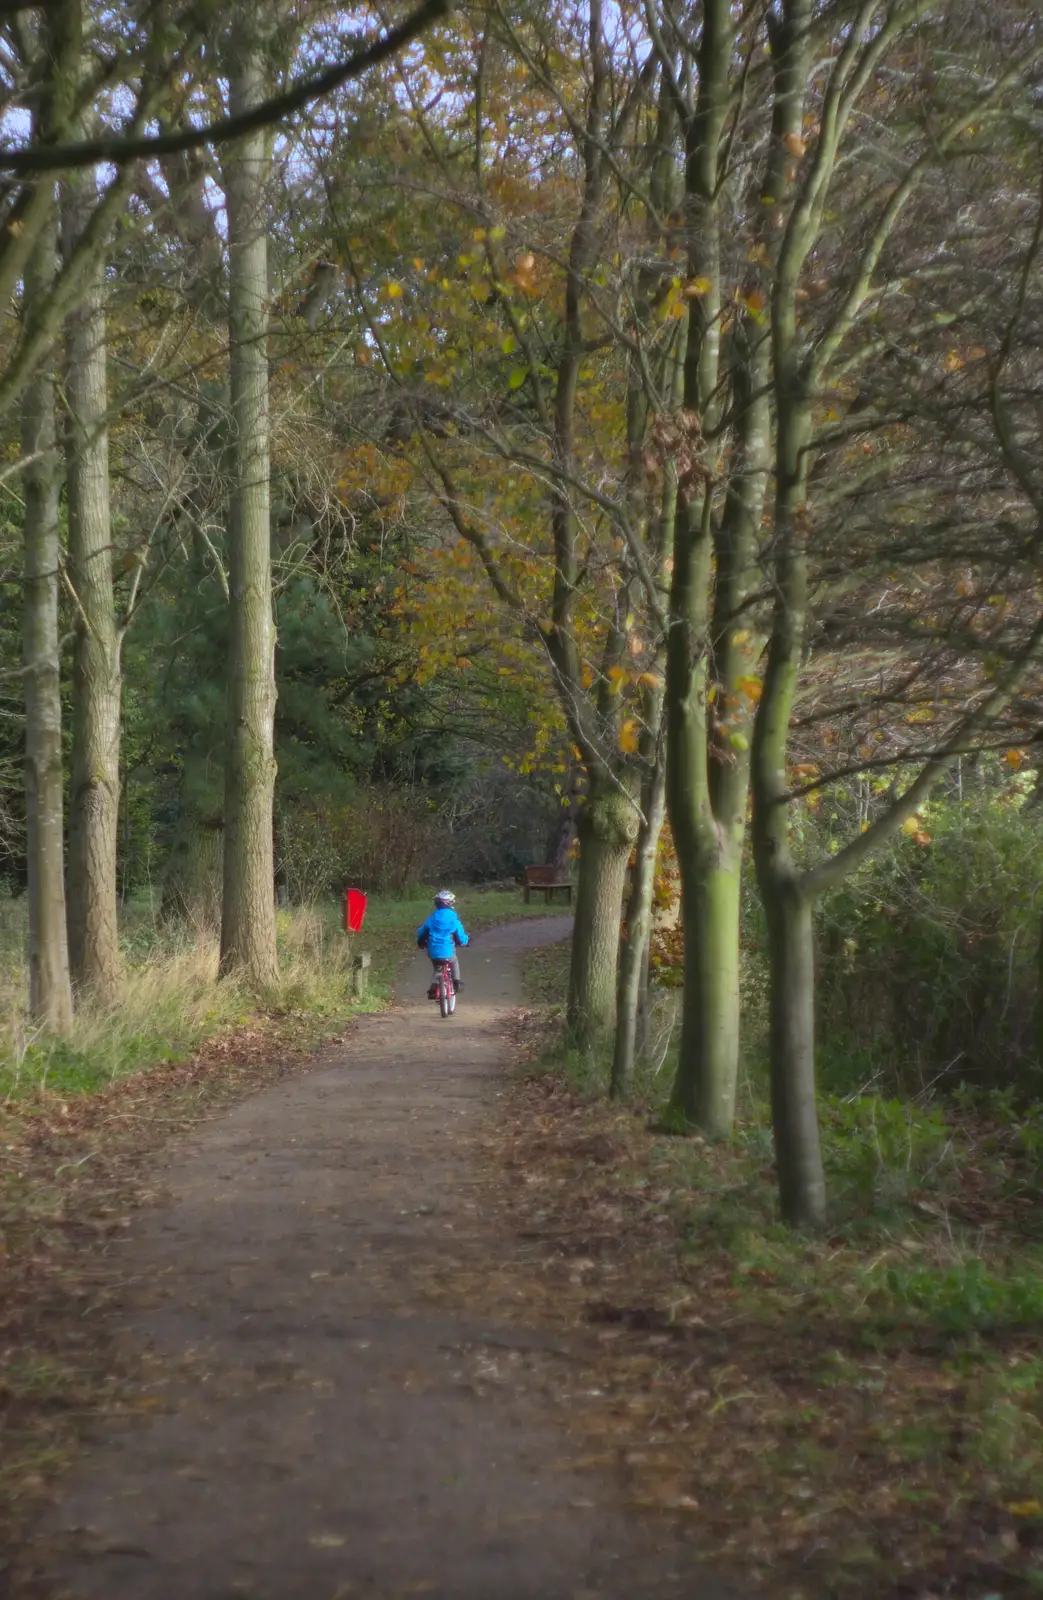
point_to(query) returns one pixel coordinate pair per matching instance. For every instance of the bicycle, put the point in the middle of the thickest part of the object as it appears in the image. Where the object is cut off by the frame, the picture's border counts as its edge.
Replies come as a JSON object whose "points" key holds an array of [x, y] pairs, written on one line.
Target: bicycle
{"points": [[444, 988]]}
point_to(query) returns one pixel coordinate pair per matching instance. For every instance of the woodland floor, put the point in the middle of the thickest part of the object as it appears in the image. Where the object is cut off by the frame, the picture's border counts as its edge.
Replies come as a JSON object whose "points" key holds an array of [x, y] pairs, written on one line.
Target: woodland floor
{"points": [[330, 1374], [420, 1316]]}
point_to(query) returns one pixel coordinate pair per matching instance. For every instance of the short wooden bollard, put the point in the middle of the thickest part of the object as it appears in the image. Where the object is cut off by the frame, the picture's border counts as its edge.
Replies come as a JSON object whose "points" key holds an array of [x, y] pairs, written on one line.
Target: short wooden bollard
{"points": [[360, 965]]}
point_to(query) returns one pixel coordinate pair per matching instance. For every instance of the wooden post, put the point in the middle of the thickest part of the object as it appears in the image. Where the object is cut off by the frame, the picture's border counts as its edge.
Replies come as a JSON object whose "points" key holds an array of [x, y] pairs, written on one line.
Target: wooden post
{"points": [[360, 965]]}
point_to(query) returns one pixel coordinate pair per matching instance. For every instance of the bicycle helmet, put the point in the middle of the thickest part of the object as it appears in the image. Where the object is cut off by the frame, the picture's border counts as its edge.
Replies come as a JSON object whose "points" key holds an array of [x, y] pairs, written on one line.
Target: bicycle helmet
{"points": [[445, 897]]}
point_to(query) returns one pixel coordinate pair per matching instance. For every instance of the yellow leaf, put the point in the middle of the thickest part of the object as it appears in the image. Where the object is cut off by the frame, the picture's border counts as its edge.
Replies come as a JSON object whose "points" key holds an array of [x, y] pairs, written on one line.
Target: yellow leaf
{"points": [[394, 291], [1026, 1508], [911, 825], [696, 287], [629, 736], [1015, 759], [794, 144], [750, 686]]}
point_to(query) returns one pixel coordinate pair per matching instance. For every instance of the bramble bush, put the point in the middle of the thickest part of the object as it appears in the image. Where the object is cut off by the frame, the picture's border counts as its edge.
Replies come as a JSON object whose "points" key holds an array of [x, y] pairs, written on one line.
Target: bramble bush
{"points": [[386, 839]]}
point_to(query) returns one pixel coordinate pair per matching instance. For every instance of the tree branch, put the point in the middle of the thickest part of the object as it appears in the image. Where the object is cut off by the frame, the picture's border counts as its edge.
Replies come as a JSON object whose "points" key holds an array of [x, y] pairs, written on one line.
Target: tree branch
{"points": [[120, 150]]}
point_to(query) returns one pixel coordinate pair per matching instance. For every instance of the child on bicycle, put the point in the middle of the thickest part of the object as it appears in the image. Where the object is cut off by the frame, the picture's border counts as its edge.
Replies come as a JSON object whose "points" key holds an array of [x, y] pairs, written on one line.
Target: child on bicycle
{"points": [[441, 934]]}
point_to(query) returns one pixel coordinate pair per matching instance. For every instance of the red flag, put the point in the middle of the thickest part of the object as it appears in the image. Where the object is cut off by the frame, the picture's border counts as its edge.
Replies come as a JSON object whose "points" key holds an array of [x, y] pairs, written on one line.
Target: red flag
{"points": [[354, 910]]}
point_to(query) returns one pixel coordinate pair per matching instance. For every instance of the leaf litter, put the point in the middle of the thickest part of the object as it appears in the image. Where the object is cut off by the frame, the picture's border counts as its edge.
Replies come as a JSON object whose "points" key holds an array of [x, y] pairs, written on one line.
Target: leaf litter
{"points": [[811, 1447]]}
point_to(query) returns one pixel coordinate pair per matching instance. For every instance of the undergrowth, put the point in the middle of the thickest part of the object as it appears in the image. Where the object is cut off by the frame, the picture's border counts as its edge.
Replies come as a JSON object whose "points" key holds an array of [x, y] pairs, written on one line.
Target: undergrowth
{"points": [[867, 1402]]}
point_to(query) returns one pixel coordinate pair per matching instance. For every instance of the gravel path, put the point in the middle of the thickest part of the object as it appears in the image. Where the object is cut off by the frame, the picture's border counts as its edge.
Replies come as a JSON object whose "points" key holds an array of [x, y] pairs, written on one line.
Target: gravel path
{"points": [[314, 1424]]}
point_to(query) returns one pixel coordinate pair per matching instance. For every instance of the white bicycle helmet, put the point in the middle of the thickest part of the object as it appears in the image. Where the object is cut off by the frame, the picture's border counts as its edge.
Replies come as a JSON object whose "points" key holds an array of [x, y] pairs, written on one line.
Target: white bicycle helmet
{"points": [[445, 897]]}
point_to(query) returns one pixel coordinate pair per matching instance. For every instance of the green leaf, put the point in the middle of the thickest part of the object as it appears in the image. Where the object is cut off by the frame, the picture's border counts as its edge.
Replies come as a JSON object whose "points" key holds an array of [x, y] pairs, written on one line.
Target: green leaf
{"points": [[517, 377]]}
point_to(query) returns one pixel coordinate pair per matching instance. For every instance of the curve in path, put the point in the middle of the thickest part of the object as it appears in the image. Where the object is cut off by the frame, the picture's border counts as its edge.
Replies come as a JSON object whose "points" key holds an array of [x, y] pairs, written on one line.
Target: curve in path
{"points": [[315, 1427]]}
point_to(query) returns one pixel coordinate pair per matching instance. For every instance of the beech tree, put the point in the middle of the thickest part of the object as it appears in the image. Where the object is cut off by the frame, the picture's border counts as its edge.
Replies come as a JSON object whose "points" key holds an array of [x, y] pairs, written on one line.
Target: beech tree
{"points": [[50, 995], [96, 689], [248, 904], [535, 302], [809, 351]]}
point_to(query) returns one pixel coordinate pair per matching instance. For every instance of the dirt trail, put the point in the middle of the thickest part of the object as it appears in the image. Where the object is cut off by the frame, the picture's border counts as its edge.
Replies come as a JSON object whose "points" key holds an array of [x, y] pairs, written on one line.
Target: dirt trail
{"points": [[315, 1426]]}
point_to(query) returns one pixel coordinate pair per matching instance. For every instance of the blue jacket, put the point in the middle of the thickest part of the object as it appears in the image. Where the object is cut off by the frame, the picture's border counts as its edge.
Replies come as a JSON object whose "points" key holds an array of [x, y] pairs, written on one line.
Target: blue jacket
{"points": [[441, 933]]}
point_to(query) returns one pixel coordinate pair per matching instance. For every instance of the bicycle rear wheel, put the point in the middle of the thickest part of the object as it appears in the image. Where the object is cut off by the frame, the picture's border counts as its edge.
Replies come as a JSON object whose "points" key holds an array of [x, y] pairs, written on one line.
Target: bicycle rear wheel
{"points": [[446, 997]]}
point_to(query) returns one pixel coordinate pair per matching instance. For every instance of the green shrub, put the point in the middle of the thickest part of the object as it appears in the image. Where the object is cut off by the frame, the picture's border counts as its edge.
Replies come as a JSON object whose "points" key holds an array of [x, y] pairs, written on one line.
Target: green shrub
{"points": [[928, 956], [877, 1148], [967, 1298]]}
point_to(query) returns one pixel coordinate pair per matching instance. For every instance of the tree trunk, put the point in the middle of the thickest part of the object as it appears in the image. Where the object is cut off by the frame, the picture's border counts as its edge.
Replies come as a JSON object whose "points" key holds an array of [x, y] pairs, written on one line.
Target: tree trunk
{"points": [[607, 826], [794, 1113], [1039, 997], [97, 681], [708, 838], [633, 970], [50, 993], [248, 903], [704, 1091]]}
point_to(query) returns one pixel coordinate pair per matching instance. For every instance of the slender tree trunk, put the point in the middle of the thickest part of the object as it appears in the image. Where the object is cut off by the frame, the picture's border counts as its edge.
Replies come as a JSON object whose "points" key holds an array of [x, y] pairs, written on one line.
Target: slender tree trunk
{"points": [[709, 856], [787, 905], [794, 1112], [607, 828], [633, 969], [644, 1003], [704, 1091], [248, 904], [1039, 997], [50, 993], [97, 678]]}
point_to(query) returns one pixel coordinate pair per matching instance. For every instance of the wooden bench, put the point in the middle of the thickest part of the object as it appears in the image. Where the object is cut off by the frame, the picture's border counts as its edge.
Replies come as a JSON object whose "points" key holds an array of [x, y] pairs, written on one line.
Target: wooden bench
{"points": [[548, 879]]}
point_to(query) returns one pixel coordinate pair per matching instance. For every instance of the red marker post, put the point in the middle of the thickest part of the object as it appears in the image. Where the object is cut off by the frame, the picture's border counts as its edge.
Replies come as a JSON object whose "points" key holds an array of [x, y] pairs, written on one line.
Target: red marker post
{"points": [[355, 903], [354, 916]]}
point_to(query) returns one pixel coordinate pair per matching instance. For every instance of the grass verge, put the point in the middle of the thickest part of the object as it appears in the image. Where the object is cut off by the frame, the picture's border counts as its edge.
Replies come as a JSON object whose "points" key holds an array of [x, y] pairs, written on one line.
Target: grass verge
{"points": [[852, 1414]]}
